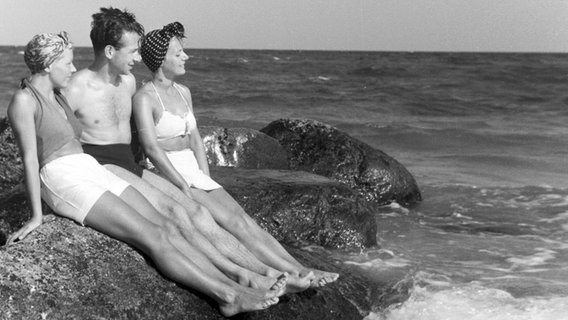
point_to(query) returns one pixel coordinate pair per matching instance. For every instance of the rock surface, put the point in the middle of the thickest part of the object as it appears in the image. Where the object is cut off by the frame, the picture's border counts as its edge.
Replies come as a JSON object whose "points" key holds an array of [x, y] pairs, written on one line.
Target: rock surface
{"points": [[321, 149], [299, 207], [242, 148], [65, 271]]}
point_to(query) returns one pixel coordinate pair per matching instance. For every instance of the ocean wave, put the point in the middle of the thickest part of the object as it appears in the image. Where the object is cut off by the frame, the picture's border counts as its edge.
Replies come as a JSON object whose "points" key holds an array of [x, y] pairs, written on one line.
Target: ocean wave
{"points": [[473, 302]]}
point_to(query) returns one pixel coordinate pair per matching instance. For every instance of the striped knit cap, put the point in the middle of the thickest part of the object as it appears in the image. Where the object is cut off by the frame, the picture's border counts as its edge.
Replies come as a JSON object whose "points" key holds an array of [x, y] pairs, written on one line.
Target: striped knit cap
{"points": [[155, 44]]}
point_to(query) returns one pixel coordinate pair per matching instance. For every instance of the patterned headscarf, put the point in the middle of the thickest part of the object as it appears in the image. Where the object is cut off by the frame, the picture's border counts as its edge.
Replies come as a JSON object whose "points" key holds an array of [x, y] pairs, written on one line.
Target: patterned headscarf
{"points": [[155, 44], [44, 49]]}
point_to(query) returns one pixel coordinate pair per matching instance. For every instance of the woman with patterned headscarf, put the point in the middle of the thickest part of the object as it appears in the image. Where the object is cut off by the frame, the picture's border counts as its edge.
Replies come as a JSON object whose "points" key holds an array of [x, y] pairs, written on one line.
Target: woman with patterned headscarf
{"points": [[76, 186], [168, 132]]}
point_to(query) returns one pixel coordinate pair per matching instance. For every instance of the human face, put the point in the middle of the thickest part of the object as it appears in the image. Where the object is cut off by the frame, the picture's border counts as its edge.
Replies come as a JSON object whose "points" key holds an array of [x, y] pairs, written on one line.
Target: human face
{"points": [[123, 58], [174, 61], [60, 70]]}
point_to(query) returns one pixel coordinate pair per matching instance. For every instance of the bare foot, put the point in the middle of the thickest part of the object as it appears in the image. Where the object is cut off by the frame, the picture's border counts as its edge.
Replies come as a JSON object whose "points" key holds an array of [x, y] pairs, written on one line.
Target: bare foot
{"points": [[245, 301], [301, 282], [322, 278], [280, 283], [256, 281]]}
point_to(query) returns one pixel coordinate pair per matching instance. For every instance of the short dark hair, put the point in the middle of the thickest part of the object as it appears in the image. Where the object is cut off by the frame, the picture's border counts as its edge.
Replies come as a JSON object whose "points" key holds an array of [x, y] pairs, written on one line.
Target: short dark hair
{"points": [[109, 24]]}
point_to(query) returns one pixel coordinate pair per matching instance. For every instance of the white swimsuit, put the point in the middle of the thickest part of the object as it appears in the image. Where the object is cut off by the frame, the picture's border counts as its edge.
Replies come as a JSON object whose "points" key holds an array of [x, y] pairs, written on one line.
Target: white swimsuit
{"points": [[172, 125]]}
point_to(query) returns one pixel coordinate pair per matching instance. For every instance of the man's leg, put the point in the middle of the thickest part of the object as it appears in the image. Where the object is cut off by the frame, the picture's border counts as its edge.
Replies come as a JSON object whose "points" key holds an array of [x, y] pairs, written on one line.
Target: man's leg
{"points": [[203, 220], [174, 211], [115, 217]]}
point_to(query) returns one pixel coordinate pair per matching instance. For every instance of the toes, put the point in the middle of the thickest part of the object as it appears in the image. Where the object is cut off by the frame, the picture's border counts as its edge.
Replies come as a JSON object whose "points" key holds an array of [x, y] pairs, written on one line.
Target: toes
{"points": [[280, 282], [269, 302]]}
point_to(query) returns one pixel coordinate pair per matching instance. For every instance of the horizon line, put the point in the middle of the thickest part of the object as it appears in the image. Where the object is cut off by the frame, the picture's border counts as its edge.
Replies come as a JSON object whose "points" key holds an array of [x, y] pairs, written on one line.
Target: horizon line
{"points": [[350, 50]]}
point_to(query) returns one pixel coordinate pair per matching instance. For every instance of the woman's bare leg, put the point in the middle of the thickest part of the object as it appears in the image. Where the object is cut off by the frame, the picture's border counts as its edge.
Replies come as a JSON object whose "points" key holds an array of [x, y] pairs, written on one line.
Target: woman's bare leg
{"points": [[114, 217], [202, 231], [231, 216]]}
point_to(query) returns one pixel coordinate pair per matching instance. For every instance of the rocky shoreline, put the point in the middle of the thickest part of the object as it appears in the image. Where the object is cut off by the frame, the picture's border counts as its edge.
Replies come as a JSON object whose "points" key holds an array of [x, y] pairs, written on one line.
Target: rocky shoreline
{"points": [[307, 183]]}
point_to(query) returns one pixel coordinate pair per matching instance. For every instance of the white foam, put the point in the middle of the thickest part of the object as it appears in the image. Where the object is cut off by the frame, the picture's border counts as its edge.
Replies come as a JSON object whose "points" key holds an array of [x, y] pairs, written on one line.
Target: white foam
{"points": [[473, 302], [541, 257]]}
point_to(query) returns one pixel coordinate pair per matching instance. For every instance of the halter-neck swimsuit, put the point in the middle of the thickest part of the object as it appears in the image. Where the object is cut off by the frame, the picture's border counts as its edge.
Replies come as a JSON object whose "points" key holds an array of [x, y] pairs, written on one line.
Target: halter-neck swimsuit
{"points": [[172, 125]]}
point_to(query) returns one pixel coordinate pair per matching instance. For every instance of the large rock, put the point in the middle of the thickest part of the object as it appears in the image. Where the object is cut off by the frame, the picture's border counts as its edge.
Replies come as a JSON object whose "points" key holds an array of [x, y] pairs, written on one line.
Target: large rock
{"points": [[319, 148], [65, 271], [11, 164], [242, 148], [299, 207]]}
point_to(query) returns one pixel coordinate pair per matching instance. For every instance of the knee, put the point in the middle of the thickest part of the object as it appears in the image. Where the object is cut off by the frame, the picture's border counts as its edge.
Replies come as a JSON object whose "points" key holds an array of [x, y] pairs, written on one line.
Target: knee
{"points": [[157, 241], [202, 217], [237, 223], [169, 226], [178, 215]]}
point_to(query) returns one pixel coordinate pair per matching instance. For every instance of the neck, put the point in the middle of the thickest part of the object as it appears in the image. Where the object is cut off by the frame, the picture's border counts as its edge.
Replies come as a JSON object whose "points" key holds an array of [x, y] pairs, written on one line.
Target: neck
{"points": [[42, 84], [161, 81], [103, 70]]}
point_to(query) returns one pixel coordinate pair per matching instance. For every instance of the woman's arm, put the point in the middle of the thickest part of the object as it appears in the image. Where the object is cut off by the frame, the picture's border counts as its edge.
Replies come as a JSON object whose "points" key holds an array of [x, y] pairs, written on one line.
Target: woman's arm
{"points": [[143, 106], [21, 115], [195, 141], [196, 145]]}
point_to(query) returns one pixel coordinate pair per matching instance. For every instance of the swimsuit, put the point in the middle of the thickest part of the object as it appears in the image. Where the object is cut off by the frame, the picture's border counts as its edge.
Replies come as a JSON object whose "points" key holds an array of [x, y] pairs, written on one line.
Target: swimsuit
{"points": [[73, 183], [53, 128], [170, 126], [119, 154]]}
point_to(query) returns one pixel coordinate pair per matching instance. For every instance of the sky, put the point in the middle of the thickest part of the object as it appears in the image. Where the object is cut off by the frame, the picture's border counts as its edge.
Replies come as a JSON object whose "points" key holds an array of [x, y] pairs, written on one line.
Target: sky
{"points": [[369, 25]]}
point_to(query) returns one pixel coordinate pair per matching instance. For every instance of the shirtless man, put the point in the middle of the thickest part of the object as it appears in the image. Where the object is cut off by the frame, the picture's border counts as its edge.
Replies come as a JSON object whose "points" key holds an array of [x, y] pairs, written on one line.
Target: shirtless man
{"points": [[100, 96]]}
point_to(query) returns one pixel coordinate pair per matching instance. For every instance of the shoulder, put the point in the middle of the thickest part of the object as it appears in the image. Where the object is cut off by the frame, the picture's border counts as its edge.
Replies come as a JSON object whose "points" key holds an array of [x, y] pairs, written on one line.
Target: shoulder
{"points": [[78, 82], [80, 77], [23, 103], [129, 81], [186, 93], [24, 98], [144, 98], [144, 93], [184, 89]]}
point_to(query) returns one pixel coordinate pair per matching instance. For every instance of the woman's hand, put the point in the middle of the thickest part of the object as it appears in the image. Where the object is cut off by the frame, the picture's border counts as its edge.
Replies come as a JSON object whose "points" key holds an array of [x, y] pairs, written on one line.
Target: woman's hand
{"points": [[30, 226]]}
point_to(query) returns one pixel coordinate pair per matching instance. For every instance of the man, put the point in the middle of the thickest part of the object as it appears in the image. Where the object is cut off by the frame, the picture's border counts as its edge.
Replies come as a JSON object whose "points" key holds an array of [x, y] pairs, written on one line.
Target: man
{"points": [[101, 98]]}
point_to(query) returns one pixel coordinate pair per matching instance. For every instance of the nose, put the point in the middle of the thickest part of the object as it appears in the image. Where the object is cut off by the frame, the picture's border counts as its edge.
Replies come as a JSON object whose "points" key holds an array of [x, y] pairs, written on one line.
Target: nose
{"points": [[137, 56], [73, 69]]}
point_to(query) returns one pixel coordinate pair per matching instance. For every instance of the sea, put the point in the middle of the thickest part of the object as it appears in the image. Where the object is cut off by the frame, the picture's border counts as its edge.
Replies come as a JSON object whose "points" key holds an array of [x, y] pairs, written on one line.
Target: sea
{"points": [[484, 134]]}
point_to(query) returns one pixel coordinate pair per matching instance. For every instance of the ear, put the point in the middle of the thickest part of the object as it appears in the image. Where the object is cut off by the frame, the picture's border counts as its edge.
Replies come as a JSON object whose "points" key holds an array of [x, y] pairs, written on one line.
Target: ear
{"points": [[109, 51]]}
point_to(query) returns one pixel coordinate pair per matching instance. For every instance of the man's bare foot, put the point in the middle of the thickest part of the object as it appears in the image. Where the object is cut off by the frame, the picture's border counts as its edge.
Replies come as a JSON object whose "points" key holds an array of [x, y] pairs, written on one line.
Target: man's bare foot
{"points": [[265, 283], [298, 283], [322, 278], [245, 301]]}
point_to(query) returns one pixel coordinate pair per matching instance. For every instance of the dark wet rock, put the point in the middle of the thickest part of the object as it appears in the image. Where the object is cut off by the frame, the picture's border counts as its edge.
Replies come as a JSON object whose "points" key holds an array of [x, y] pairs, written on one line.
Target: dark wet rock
{"points": [[11, 165], [299, 207], [321, 149], [65, 271], [242, 148]]}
